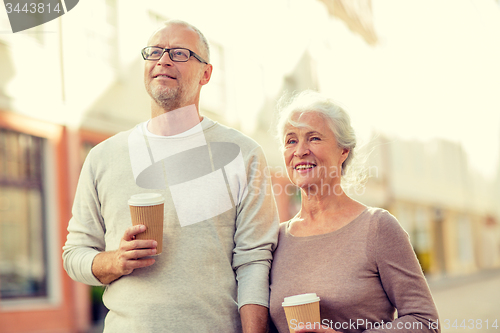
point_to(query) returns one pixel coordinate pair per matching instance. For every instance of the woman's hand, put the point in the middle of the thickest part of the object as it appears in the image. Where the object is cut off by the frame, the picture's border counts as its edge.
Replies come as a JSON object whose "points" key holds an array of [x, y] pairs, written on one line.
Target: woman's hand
{"points": [[315, 329]]}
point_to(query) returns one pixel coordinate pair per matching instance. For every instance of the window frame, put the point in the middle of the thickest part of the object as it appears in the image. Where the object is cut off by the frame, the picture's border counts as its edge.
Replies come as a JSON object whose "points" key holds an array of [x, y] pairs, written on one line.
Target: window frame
{"points": [[55, 207], [26, 180]]}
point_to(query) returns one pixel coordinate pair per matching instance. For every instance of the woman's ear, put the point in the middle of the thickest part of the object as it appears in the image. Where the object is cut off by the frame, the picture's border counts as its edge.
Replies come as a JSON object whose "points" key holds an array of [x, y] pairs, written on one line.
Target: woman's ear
{"points": [[345, 154]]}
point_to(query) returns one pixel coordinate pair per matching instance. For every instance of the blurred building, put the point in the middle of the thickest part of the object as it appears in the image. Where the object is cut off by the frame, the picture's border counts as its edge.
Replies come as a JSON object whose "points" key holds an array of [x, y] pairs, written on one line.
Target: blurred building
{"points": [[74, 81], [449, 211]]}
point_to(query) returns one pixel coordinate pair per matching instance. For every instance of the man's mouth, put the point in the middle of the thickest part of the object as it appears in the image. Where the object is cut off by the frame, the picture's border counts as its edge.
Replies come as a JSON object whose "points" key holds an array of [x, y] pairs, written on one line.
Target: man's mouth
{"points": [[164, 76]]}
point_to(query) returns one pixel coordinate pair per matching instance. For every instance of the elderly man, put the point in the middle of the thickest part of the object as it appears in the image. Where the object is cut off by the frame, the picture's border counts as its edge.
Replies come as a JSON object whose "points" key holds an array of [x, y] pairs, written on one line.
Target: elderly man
{"points": [[212, 275]]}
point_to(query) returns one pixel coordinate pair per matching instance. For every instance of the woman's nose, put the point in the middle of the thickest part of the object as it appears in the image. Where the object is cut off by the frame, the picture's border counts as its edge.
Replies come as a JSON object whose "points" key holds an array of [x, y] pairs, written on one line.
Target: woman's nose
{"points": [[302, 150]]}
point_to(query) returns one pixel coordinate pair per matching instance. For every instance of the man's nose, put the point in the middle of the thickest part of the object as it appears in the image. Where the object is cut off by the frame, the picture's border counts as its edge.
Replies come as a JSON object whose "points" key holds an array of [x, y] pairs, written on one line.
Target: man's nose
{"points": [[165, 60]]}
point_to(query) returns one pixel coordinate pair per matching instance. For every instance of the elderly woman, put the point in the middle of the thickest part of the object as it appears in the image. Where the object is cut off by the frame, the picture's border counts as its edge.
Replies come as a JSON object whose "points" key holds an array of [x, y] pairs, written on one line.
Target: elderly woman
{"points": [[357, 259]]}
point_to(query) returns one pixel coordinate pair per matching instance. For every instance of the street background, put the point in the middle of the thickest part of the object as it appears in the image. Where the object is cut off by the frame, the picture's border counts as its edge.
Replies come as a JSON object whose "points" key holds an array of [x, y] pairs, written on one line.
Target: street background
{"points": [[420, 79], [475, 297]]}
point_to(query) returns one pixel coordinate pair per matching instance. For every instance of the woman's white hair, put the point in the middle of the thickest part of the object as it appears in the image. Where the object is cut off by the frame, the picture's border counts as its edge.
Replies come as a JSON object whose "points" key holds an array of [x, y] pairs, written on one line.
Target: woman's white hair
{"points": [[334, 114]]}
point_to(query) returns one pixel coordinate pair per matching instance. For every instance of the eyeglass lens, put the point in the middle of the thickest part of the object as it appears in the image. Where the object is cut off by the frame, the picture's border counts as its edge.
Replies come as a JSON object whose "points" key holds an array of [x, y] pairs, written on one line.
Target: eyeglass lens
{"points": [[155, 53]]}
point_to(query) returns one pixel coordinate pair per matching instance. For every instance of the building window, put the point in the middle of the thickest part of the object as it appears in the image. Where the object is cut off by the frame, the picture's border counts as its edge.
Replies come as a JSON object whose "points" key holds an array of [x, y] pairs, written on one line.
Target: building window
{"points": [[23, 267]]}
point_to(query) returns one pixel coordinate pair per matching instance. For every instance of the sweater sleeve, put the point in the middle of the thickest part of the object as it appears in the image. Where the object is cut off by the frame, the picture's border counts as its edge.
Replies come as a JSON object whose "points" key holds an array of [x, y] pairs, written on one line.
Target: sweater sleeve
{"points": [[402, 279], [85, 229], [256, 233]]}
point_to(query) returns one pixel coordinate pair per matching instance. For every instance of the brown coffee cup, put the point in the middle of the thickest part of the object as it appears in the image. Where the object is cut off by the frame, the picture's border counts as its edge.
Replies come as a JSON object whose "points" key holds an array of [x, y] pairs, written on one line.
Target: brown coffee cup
{"points": [[302, 309], [147, 209]]}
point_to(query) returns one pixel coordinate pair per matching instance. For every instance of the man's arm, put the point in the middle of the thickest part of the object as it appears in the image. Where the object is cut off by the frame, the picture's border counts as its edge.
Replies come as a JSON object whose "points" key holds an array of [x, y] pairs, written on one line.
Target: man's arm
{"points": [[255, 238], [84, 255], [254, 318], [111, 265]]}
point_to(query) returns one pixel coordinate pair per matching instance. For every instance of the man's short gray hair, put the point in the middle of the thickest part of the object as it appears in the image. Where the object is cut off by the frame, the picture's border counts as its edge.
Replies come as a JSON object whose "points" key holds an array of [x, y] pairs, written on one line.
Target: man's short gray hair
{"points": [[203, 42]]}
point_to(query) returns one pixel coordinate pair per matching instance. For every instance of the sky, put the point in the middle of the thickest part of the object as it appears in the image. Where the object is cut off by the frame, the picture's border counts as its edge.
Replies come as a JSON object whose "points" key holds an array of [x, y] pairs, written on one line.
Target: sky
{"points": [[434, 73]]}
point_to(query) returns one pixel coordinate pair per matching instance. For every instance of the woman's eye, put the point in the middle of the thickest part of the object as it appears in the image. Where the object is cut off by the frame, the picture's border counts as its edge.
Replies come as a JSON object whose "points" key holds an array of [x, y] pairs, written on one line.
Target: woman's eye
{"points": [[314, 138], [291, 141]]}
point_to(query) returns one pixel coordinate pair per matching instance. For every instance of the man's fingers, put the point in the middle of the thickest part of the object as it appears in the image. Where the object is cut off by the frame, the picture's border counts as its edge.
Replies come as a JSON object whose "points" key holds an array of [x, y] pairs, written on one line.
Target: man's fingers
{"points": [[132, 252], [139, 245], [132, 231], [138, 254], [130, 265]]}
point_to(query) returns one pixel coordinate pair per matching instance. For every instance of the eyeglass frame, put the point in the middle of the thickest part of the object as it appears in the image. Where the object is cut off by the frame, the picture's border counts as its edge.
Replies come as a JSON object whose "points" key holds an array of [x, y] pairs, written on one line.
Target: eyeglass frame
{"points": [[191, 54]]}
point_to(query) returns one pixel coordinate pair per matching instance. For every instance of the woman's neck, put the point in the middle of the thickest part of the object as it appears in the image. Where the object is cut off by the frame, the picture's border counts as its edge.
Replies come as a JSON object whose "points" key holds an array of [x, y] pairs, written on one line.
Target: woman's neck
{"points": [[318, 206], [324, 213]]}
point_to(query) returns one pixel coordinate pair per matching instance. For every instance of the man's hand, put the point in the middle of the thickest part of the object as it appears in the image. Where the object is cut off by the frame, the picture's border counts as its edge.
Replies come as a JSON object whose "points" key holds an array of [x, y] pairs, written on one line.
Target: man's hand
{"points": [[111, 265]]}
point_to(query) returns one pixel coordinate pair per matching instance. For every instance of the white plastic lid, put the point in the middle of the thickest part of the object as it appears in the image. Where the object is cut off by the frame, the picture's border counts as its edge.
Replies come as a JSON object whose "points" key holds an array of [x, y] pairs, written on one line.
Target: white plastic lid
{"points": [[146, 199], [300, 299]]}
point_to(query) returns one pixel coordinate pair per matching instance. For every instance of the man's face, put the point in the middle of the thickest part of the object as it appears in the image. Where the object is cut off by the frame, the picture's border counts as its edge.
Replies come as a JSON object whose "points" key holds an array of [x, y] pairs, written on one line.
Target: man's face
{"points": [[175, 84]]}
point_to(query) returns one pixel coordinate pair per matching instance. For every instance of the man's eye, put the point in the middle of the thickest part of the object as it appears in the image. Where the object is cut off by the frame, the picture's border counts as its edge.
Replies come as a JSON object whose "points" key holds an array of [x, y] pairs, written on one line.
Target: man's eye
{"points": [[155, 52]]}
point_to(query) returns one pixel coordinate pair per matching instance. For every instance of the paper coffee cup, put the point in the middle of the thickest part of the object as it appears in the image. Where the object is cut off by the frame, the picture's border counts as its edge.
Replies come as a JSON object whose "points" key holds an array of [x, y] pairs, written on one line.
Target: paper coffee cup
{"points": [[147, 209], [302, 309]]}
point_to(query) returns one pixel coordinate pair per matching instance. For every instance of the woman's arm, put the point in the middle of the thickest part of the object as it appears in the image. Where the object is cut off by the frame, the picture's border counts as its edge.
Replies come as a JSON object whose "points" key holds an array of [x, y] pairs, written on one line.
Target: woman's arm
{"points": [[402, 279]]}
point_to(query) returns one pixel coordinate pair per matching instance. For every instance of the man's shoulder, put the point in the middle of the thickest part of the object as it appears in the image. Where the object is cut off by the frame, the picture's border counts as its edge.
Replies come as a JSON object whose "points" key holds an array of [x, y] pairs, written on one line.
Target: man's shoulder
{"points": [[112, 144], [222, 133]]}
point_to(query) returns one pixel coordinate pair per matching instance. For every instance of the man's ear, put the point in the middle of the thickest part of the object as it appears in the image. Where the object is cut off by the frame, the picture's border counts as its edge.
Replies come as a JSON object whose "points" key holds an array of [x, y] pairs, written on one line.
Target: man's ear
{"points": [[207, 74]]}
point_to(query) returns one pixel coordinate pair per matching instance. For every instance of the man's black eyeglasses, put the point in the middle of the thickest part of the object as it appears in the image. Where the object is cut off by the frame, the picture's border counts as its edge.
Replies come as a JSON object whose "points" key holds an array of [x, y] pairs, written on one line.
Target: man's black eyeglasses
{"points": [[177, 54]]}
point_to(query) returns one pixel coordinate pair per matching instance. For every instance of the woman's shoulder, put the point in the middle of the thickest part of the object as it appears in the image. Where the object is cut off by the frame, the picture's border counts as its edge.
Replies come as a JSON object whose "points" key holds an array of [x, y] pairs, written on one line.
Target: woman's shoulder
{"points": [[384, 225], [381, 215]]}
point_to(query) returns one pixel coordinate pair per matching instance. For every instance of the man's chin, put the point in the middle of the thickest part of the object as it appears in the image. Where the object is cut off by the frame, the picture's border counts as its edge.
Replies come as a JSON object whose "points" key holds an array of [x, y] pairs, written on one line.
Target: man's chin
{"points": [[162, 93], [164, 98]]}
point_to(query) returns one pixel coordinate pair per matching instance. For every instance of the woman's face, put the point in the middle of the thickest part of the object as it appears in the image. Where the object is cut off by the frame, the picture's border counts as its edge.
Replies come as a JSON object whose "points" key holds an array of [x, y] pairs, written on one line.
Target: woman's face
{"points": [[312, 156]]}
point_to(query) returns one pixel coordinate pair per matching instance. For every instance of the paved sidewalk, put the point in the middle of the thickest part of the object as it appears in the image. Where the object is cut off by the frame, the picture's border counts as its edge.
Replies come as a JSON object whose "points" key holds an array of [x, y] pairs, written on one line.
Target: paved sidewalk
{"points": [[475, 299]]}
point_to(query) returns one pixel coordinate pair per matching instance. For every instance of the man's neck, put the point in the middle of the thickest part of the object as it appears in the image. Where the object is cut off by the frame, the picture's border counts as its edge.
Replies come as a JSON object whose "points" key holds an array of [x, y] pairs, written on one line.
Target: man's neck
{"points": [[175, 121]]}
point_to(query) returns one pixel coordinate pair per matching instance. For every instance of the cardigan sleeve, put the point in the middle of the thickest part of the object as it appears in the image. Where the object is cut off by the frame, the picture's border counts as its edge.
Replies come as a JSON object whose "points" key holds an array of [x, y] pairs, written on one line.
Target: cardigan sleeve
{"points": [[402, 279]]}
